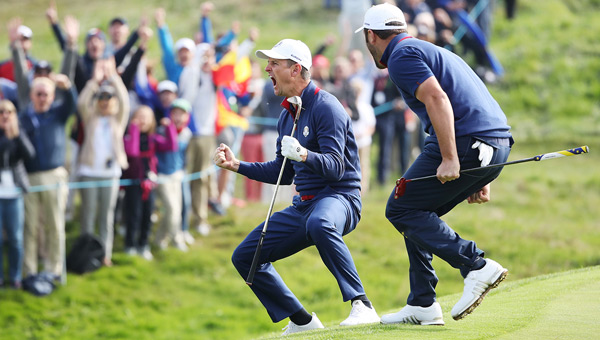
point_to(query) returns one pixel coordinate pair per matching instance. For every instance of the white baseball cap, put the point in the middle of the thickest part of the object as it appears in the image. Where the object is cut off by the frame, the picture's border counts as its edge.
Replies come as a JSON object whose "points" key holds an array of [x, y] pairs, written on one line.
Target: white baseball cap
{"points": [[185, 43], [166, 85], [295, 50], [378, 18], [25, 32]]}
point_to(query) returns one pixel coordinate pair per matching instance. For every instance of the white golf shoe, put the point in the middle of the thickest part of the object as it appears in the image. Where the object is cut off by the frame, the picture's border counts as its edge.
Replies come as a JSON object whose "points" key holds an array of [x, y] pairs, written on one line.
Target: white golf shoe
{"points": [[315, 323], [477, 284], [360, 315], [416, 315]]}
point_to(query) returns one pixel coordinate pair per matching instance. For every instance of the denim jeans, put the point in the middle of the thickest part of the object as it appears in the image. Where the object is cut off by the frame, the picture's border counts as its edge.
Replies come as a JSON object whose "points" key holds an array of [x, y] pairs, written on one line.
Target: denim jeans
{"points": [[11, 221]]}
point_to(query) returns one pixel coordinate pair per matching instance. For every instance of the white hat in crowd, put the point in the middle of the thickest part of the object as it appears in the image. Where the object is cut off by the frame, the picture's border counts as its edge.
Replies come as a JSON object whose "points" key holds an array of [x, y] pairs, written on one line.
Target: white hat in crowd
{"points": [[379, 18], [25, 32], [291, 49], [185, 43], [166, 85]]}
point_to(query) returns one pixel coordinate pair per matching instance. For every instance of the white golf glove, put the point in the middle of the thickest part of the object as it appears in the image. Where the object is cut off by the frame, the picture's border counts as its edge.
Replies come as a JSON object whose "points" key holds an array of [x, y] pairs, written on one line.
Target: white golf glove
{"points": [[291, 148], [485, 152]]}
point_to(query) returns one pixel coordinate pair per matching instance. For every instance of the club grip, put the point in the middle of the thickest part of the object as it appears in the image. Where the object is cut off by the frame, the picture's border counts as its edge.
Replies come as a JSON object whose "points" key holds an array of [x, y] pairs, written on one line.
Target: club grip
{"points": [[254, 264], [564, 153]]}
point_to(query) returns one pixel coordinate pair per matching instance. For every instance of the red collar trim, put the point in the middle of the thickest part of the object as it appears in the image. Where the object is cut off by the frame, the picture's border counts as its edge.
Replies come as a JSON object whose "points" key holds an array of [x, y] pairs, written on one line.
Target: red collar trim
{"points": [[286, 105]]}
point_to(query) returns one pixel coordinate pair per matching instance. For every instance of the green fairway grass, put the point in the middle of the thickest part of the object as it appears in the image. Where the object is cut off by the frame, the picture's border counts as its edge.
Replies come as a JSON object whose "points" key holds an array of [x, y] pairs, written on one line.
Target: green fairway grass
{"points": [[558, 306], [542, 223]]}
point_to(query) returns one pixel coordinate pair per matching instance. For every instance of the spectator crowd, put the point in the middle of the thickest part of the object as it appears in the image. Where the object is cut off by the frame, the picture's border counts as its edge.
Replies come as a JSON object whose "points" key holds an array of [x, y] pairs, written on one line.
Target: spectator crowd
{"points": [[138, 147]]}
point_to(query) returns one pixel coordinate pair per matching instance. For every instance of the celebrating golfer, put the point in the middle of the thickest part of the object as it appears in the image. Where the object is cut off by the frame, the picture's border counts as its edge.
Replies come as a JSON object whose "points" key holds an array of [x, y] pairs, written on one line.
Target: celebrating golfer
{"points": [[324, 166], [467, 129]]}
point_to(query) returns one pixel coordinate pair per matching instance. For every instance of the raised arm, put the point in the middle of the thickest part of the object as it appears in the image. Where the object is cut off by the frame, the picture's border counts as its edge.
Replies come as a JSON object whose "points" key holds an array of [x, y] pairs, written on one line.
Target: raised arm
{"points": [[128, 75], [52, 16], [205, 22], [166, 45], [19, 61], [70, 55], [110, 72]]}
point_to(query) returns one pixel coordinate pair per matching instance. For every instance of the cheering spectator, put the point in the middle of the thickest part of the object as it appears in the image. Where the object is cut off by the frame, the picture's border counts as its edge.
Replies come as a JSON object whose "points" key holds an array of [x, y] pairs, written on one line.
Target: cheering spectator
{"points": [[342, 88], [184, 48], [14, 147], [197, 87], [104, 107], [170, 177], [23, 35], [141, 143], [42, 68], [118, 30], [44, 123]]}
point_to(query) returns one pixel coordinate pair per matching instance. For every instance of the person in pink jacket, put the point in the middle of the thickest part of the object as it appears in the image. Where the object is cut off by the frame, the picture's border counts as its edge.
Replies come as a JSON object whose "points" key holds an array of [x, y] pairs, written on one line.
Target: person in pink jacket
{"points": [[141, 143]]}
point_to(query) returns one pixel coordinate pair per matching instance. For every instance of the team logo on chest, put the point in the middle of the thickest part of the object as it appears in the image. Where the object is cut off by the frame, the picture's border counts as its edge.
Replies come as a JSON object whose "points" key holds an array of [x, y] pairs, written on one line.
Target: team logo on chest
{"points": [[305, 131]]}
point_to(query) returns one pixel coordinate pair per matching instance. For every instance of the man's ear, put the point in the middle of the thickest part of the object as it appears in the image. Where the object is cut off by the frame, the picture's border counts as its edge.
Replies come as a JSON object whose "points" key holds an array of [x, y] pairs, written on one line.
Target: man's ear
{"points": [[371, 37], [296, 70]]}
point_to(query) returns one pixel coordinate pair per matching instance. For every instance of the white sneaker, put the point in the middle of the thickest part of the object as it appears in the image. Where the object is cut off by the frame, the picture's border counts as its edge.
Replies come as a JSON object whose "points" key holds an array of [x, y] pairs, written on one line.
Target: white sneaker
{"points": [[360, 315], [181, 246], [477, 284], [188, 238], [203, 229], [130, 251], [416, 315], [315, 323], [162, 245], [146, 254]]}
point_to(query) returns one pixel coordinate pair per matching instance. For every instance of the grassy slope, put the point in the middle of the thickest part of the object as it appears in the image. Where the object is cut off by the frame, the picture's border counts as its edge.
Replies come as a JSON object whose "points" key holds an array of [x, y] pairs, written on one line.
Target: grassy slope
{"points": [[543, 218]]}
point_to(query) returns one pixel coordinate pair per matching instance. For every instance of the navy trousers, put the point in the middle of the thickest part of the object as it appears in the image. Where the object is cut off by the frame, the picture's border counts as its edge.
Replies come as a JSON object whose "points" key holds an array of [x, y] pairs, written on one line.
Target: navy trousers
{"points": [[321, 221], [417, 214]]}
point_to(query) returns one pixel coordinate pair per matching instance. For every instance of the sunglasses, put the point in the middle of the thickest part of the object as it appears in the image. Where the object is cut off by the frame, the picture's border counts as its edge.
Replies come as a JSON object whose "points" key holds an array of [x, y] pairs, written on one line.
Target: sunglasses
{"points": [[7, 111], [105, 96]]}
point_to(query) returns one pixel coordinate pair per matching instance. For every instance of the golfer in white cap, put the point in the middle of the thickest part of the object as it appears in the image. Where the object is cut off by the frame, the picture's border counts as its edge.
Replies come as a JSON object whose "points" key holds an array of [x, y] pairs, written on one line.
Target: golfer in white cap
{"points": [[467, 129], [323, 163]]}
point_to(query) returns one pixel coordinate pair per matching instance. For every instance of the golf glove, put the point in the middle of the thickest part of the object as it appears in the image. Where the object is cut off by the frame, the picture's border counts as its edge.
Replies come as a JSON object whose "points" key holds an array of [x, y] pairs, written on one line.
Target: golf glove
{"points": [[291, 148], [485, 152]]}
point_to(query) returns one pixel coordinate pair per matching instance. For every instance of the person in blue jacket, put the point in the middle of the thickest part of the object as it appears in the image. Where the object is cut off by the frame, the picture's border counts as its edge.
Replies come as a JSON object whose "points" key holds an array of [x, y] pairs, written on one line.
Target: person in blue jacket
{"points": [[325, 168], [467, 129], [44, 123]]}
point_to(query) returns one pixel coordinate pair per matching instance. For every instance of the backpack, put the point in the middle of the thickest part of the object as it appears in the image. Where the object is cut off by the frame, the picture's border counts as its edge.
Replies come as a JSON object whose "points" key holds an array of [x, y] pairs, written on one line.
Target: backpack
{"points": [[86, 254]]}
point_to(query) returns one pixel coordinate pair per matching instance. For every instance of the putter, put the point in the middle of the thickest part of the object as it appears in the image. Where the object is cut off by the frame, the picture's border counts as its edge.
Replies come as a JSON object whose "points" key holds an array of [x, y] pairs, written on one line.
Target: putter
{"points": [[298, 102], [401, 183]]}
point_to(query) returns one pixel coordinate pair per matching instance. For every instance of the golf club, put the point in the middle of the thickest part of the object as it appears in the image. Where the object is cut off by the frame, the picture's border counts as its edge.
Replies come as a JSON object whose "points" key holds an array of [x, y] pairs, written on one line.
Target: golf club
{"points": [[296, 100], [401, 183]]}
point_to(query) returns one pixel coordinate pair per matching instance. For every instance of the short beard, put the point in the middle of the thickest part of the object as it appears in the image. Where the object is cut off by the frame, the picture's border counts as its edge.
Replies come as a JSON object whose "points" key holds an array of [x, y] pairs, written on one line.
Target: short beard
{"points": [[372, 50]]}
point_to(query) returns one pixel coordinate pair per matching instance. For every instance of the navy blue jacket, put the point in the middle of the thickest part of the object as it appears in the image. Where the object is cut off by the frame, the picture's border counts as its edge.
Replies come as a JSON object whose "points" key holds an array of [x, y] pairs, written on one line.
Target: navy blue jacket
{"points": [[325, 130], [46, 131]]}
